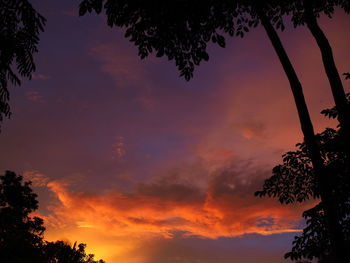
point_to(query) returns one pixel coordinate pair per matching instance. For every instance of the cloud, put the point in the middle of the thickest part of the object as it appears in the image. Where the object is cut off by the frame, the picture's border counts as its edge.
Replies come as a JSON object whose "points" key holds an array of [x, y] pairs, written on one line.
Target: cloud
{"points": [[126, 69], [38, 179], [40, 76], [119, 147], [147, 102], [122, 65], [216, 156], [35, 96], [225, 208], [251, 130]]}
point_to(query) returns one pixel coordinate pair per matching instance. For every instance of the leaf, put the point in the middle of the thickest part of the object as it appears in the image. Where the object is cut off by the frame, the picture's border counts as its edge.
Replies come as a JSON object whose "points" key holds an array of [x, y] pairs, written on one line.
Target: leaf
{"points": [[205, 56], [221, 41], [83, 8], [97, 5]]}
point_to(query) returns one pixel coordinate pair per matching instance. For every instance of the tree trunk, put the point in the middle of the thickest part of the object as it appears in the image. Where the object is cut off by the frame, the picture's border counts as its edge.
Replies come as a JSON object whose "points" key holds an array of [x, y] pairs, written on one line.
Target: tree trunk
{"points": [[338, 92], [336, 234]]}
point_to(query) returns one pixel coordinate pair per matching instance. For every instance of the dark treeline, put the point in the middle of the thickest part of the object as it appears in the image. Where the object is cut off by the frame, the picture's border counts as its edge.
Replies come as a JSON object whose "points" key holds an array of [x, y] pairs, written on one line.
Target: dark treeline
{"points": [[21, 236]]}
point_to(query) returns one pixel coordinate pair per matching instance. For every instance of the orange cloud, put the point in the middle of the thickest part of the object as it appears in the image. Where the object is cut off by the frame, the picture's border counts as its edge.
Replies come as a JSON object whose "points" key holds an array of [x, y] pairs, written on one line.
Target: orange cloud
{"points": [[226, 208], [250, 130], [38, 179]]}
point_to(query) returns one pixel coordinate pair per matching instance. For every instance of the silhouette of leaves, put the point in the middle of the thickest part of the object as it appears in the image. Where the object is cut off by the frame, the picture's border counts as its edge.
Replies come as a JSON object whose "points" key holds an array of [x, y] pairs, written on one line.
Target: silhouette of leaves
{"points": [[20, 26], [295, 181], [62, 252], [179, 30], [21, 236], [333, 113], [296, 8]]}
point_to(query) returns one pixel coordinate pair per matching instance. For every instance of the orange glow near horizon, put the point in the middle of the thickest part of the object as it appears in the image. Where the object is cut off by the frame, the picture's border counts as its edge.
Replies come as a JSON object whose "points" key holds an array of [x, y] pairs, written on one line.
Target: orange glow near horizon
{"points": [[114, 223]]}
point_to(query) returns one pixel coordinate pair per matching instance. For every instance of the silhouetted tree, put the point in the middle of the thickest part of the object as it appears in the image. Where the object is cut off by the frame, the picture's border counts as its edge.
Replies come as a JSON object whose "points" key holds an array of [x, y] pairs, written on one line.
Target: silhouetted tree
{"points": [[181, 30], [62, 252], [21, 236], [306, 12], [20, 26], [295, 181]]}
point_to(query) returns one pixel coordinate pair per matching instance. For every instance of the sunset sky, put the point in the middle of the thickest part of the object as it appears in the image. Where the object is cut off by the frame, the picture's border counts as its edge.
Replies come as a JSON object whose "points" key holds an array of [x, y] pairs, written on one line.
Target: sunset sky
{"points": [[145, 167]]}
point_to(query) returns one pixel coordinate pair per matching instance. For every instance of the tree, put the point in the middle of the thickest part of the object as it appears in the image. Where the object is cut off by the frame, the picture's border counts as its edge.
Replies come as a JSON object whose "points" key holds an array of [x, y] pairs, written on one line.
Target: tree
{"points": [[181, 30], [295, 181], [306, 12], [20, 26], [275, 14], [62, 252], [21, 236]]}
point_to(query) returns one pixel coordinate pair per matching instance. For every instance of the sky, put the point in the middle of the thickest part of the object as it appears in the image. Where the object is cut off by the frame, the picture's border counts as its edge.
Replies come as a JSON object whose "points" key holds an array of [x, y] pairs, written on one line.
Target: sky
{"points": [[145, 167]]}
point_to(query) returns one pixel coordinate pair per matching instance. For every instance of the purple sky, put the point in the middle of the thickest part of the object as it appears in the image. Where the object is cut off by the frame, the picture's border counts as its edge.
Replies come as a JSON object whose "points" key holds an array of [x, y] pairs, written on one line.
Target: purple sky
{"points": [[146, 167]]}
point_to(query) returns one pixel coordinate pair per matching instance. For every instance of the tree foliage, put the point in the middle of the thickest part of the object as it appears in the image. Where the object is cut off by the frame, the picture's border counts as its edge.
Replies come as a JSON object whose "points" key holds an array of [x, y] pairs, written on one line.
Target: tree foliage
{"points": [[332, 113], [20, 26], [21, 236], [296, 8], [62, 252], [295, 181], [179, 30]]}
